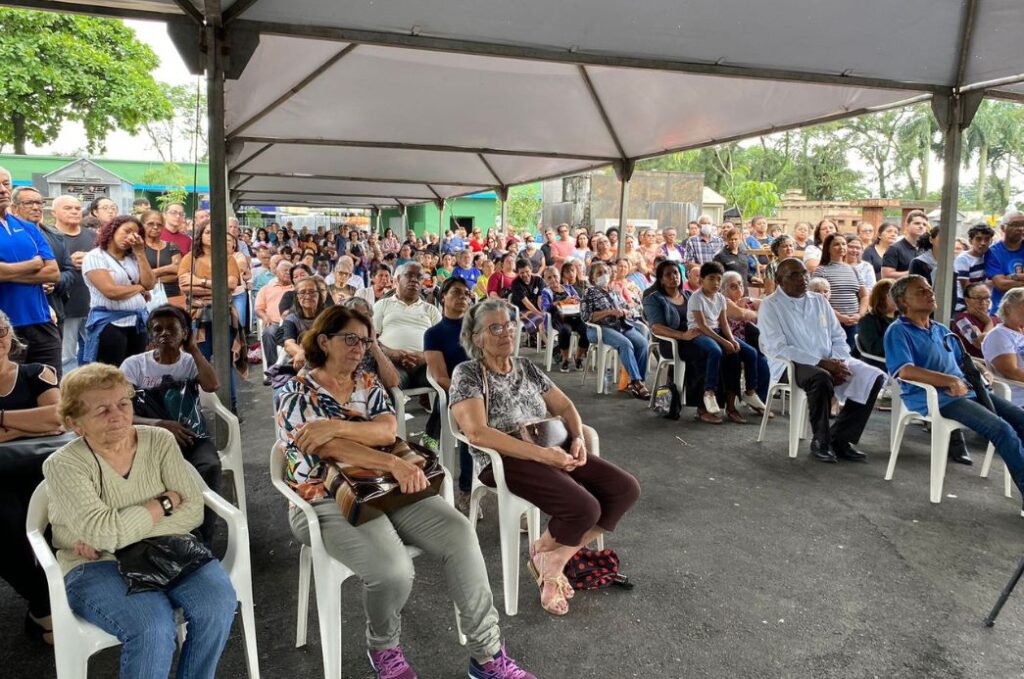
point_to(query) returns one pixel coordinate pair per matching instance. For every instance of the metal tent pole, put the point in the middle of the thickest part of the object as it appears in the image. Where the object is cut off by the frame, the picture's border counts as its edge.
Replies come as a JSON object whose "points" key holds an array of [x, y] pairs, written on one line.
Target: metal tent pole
{"points": [[624, 171], [218, 208], [503, 197]]}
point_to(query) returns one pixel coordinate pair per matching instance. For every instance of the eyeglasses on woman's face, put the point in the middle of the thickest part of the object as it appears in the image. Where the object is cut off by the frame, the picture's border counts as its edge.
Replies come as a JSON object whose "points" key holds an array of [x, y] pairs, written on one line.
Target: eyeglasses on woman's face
{"points": [[307, 293], [352, 339], [499, 329]]}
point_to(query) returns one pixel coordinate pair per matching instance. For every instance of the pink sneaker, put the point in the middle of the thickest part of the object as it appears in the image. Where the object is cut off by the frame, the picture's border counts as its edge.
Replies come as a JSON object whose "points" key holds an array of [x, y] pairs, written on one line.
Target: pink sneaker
{"points": [[500, 667], [391, 664]]}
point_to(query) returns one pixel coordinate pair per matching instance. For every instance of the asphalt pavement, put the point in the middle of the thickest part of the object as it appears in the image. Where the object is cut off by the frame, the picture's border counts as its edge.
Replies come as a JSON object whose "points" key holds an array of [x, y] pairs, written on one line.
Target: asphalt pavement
{"points": [[746, 564]]}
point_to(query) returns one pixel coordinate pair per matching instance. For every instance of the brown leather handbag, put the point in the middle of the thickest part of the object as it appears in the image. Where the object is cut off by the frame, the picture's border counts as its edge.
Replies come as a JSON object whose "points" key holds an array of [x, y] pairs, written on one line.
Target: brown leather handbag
{"points": [[364, 494]]}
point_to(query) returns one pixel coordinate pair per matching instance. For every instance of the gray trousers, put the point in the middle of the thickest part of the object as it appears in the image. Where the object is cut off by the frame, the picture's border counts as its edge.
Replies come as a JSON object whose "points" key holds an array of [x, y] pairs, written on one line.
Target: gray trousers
{"points": [[74, 331], [375, 551]]}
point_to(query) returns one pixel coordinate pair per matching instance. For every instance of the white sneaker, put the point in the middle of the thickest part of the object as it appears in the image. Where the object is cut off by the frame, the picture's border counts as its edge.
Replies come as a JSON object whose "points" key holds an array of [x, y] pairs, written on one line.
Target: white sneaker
{"points": [[711, 404], [753, 400]]}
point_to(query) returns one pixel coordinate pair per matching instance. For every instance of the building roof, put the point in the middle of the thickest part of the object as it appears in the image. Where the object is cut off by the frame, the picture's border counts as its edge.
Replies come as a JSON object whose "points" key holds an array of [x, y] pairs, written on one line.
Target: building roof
{"points": [[23, 167], [712, 197]]}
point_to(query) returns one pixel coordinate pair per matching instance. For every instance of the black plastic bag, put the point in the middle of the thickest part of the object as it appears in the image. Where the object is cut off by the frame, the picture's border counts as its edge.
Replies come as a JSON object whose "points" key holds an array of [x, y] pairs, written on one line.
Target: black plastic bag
{"points": [[159, 563]]}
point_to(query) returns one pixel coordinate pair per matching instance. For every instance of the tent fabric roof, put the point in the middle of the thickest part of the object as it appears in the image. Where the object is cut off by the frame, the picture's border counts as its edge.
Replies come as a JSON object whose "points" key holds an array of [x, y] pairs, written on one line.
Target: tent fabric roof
{"points": [[405, 102]]}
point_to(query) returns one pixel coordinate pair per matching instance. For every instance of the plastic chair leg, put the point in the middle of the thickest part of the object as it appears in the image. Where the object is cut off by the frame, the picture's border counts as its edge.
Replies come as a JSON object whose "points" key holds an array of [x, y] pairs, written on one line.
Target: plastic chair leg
{"points": [[72, 663], [302, 613], [1007, 482], [252, 662], [773, 391], [797, 420], [508, 525], [328, 609], [533, 524], [987, 464], [940, 453], [897, 440]]}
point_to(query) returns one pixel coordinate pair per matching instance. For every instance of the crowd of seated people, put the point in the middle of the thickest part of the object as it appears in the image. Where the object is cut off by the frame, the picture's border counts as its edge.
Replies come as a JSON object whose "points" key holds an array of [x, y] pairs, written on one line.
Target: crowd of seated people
{"points": [[346, 317]]}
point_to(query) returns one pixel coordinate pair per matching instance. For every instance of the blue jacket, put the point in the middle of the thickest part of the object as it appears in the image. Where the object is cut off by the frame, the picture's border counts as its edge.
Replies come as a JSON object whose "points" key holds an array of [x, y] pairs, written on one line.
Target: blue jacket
{"points": [[98, 320], [657, 309]]}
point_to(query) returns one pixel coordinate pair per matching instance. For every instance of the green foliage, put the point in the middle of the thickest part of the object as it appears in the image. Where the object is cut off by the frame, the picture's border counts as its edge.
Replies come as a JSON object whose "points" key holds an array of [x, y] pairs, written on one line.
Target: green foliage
{"points": [[752, 197], [58, 67], [254, 218], [524, 208], [169, 174]]}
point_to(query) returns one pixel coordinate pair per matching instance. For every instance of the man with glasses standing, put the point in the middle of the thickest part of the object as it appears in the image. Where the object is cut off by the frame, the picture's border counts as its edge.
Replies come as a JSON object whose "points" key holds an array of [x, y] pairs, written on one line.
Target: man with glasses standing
{"points": [[26, 264], [800, 326], [174, 228]]}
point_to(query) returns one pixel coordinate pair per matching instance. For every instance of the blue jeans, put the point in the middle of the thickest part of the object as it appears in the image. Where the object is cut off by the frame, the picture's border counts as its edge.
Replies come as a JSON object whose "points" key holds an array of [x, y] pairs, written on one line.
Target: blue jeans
{"points": [[755, 366], [1003, 428], [241, 302], [630, 346], [144, 622]]}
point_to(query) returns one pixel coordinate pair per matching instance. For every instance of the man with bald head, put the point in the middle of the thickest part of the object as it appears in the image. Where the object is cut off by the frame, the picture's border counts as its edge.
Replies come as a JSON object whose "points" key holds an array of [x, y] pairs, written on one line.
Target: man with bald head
{"points": [[78, 240], [800, 326], [26, 264]]}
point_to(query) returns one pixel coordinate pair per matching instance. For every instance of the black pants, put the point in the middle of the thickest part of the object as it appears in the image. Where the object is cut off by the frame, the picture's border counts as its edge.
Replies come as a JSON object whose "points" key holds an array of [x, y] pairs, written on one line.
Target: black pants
{"points": [[565, 326], [18, 565], [203, 456], [117, 344], [268, 341], [820, 389], [43, 345]]}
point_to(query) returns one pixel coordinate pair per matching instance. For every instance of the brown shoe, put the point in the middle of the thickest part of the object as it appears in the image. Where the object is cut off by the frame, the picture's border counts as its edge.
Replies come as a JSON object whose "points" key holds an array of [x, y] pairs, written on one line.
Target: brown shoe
{"points": [[734, 416], [705, 416]]}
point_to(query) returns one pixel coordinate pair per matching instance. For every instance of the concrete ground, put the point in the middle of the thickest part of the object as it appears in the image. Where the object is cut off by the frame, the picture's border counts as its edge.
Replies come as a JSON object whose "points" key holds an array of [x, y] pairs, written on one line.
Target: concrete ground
{"points": [[747, 564]]}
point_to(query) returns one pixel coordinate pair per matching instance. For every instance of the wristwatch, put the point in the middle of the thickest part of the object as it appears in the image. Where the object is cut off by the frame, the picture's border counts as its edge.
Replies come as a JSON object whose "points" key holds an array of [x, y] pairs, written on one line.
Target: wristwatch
{"points": [[166, 503]]}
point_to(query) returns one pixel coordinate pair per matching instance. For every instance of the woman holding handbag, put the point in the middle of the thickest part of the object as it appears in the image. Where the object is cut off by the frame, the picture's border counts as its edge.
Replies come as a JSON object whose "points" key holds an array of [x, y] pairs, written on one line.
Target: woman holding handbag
{"points": [[563, 303], [335, 414], [604, 306], [110, 489], [494, 397]]}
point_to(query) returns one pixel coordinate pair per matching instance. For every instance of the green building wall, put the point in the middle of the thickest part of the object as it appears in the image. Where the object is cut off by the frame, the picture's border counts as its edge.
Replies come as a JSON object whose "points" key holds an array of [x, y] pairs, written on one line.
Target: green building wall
{"points": [[423, 218]]}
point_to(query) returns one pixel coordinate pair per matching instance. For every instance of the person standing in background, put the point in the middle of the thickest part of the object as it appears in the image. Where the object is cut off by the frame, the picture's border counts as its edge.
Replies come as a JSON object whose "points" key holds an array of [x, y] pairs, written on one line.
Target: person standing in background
{"points": [[175, 227], [78, 241]]}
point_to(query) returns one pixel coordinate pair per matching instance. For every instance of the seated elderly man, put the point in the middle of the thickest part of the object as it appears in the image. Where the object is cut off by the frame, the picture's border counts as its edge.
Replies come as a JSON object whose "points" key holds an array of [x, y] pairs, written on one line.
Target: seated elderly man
{"points": [[401, 320], [800, 326], [268, 302], [916, 349]]}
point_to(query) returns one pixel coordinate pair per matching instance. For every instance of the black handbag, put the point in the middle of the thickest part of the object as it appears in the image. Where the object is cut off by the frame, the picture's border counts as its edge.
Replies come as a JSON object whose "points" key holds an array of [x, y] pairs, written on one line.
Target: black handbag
{"points": [[159, 563]]}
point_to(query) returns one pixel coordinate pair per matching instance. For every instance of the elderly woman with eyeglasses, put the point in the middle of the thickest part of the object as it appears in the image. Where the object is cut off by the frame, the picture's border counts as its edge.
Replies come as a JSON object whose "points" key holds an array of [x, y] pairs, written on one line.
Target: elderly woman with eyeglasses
{"points": [[334, 412], [492, 395]]}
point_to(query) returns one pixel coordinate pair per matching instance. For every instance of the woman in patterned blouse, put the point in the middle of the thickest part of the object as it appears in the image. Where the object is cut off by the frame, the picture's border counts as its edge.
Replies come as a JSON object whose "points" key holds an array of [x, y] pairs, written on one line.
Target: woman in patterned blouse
{"points": [[604, 306], [337, 412]]}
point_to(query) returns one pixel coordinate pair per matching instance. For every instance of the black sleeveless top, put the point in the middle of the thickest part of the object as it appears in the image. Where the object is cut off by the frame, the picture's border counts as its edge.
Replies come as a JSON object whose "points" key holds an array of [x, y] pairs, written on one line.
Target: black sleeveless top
{"points": [[27, 388]]}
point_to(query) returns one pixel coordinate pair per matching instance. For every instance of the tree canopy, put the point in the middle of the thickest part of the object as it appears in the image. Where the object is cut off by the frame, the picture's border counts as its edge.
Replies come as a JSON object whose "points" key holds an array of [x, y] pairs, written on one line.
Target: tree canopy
{"points": [[57, 67]]}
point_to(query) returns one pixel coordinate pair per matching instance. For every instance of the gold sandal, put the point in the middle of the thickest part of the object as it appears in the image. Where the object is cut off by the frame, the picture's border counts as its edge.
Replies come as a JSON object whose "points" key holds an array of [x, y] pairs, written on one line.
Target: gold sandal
{"points": [[557, 605], [563, 582]]}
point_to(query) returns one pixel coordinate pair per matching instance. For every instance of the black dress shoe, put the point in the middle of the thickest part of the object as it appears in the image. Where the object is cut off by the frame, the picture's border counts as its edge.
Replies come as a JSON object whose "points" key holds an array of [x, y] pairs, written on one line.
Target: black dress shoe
{"points": [[844, 451], [821, 453], [960, 456]]}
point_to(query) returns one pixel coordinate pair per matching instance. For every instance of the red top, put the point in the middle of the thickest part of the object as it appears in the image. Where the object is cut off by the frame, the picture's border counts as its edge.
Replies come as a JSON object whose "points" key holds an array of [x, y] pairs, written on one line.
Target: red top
{"points": [[183, 241]]}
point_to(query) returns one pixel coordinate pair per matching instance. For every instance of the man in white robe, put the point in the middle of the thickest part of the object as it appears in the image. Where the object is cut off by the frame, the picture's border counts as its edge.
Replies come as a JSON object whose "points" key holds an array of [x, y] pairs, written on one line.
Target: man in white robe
{"points": [[801, 327]]}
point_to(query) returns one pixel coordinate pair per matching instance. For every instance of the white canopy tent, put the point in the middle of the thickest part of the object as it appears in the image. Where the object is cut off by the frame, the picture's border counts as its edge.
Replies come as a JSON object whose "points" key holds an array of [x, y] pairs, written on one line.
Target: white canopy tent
{"points": [[379, 104]]}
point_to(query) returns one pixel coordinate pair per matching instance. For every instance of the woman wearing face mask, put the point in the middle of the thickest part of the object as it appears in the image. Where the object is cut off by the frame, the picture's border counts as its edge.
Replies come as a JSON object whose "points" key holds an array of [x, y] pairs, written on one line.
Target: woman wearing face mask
{"points": [[604, 306], [563, 303]]}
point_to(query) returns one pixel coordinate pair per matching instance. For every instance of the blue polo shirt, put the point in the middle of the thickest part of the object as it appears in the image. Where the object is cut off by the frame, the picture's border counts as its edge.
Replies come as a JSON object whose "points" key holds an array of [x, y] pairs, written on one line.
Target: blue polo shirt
{"points": [[444, 337], [24, 303], [909, 344], [1002, 261]]}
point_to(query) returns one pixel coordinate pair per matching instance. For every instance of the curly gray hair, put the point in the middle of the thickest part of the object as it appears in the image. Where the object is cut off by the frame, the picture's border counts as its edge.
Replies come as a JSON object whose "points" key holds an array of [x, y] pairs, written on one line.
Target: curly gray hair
{"points": [[472, 323], [1013, 298]]}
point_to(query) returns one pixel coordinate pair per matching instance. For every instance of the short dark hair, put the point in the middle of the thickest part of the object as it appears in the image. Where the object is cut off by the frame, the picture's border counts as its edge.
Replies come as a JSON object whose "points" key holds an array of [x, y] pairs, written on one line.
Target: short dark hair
{"points": [[711, 268], [300, 265], [171, 311], [777, 243], [331, 320], [973, 285], [523, 263], [980, 230], [450, 283]]}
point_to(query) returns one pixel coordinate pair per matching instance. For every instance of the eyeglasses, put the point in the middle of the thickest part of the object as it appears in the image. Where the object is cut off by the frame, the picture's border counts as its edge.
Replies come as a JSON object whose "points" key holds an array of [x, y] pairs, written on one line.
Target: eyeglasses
{"points": [[499, 329], [352, 339], [307, 293], [986, 298]]}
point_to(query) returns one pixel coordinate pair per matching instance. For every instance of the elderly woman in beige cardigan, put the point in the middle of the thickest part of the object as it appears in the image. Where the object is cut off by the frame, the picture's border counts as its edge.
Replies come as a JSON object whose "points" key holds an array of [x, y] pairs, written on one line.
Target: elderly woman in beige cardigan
{"points": [[113, 486]]}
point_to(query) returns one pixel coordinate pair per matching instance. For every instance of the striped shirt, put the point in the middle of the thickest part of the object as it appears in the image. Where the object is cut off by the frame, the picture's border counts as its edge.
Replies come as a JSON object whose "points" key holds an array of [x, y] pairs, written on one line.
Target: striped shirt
{"points": [[846, 284], [123, 272], [967, 268]]}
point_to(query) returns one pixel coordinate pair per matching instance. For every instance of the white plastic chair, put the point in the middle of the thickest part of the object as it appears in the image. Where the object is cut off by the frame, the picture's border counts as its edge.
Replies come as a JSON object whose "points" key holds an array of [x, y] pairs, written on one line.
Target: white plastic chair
{"points": [[447, 443], [607, 357], [511, 508], [76, 640], [941, 428], [400, 396], [798, 413], [1001, 386], [328, 572], [231, 453], [671, 359]]}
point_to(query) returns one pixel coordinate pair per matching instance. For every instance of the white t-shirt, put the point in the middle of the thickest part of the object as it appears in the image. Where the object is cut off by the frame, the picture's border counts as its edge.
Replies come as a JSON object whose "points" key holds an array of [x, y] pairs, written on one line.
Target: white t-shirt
{"points": [[999, 342], [123, 272], [711, 307], [145, 372], [812, 252], [400, 325]]}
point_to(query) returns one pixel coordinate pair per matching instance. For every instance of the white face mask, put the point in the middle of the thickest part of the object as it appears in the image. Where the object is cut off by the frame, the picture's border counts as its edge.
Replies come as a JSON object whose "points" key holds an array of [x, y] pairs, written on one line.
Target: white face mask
{"points": [[604, 280], [706, 229]]}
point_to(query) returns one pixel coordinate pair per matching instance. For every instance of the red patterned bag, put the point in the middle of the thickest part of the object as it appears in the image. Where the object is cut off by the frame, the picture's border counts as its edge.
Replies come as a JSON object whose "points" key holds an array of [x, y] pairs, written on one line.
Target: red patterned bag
{"points": [[590, 569]]}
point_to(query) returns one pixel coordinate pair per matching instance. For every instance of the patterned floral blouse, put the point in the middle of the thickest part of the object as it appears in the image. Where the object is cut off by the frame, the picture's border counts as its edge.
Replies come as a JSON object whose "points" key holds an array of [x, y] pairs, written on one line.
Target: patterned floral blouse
{"points": [[304, 400], [596, 299]]}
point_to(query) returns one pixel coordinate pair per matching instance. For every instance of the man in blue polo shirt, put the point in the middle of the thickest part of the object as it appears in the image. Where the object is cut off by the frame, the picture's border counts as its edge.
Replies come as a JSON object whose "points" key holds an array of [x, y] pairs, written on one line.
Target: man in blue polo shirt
{"points": [[26, 264], [915, 349]]}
